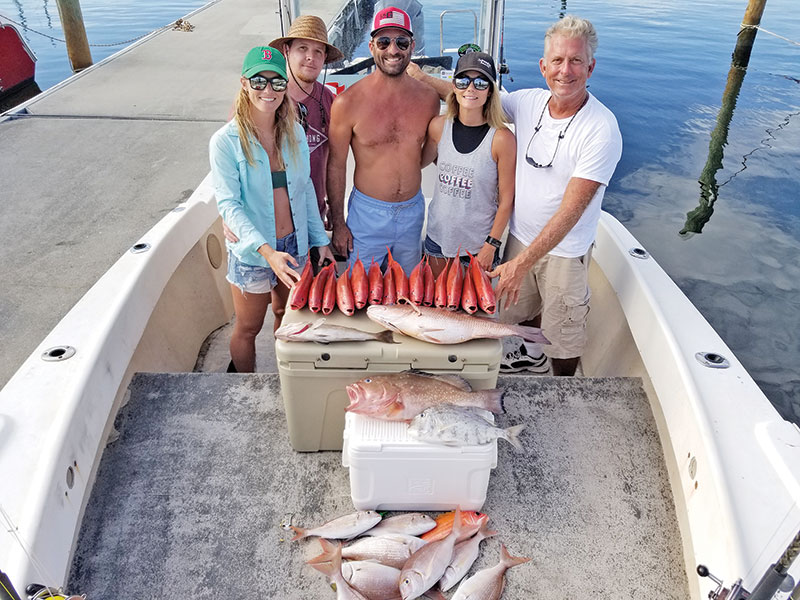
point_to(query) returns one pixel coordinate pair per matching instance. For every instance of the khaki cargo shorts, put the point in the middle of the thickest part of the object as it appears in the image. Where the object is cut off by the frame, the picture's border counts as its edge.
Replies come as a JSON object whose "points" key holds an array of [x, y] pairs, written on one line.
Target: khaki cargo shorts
{"points": [[558, 289]]}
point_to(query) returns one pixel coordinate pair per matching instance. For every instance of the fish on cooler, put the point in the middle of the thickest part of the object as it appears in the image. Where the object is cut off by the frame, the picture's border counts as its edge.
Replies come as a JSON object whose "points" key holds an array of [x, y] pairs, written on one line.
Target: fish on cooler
{"points": [[440, 326], [414, 523], [488, 584], [402, 396], [325, 333], [341, 528], [459, 426], [299, 293]]}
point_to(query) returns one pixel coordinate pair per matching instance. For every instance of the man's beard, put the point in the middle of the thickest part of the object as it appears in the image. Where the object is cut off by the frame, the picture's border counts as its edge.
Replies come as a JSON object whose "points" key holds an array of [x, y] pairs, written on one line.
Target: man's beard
{"points": [[380, 65]]}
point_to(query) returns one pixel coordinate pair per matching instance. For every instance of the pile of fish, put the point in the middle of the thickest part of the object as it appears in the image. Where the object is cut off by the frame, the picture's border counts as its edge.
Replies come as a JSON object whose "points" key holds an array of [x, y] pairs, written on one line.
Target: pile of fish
{"points": [[352, 290], [441, 409], [391, 563]]}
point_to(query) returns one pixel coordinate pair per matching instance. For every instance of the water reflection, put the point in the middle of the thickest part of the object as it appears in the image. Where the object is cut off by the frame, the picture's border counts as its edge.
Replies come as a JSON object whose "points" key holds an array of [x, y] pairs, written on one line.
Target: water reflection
{"points": [[709, 189]]}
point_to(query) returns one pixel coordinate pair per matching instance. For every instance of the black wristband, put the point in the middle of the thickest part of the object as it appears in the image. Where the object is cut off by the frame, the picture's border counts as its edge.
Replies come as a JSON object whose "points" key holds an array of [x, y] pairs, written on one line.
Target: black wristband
{"points": [[493, 241]]}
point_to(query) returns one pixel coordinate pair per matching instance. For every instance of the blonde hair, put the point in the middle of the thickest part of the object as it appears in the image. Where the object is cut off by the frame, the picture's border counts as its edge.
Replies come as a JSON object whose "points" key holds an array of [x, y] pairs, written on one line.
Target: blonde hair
{"points": [[492, 108], [573, 27], [285, 119]]}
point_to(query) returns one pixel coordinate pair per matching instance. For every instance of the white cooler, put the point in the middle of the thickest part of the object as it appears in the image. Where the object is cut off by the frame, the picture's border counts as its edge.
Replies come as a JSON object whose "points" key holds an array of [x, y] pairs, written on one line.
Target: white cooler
{"points": [[391, 471]]}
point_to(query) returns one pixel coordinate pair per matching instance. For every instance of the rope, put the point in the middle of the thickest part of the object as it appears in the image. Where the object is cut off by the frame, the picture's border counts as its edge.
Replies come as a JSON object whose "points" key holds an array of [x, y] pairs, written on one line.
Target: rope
{"points": [[55, 39], [770, 33]]}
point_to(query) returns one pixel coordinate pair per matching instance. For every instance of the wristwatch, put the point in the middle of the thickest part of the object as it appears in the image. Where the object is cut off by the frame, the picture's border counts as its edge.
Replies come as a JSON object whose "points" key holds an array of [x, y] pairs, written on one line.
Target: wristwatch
{"points": [[493, 241]]}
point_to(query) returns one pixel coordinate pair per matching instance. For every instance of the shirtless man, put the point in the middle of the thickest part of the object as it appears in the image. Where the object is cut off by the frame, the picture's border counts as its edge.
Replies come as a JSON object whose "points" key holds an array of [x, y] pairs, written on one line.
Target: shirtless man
{"points": [[383, 118]]}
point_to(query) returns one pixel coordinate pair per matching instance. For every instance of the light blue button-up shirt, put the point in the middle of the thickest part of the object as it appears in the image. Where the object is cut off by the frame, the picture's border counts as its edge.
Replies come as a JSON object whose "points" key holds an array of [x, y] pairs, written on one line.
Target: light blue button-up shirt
{"points": [[245, 200]]}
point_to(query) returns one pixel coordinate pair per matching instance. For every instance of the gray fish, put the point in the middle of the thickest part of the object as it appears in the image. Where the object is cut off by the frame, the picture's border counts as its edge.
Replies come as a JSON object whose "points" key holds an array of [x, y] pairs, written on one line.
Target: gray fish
{"points": [[407, 523], [325, 333], [488, 584], [459, 426], [393, 549], [341, 528], [465, 554]]}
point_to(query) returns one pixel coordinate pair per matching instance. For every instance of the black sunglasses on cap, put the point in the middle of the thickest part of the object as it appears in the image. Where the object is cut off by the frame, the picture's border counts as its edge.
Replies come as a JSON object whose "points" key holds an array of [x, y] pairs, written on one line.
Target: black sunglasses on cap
{"points": [[259, 82], [462, 82], [401, 41], [467, 48]]}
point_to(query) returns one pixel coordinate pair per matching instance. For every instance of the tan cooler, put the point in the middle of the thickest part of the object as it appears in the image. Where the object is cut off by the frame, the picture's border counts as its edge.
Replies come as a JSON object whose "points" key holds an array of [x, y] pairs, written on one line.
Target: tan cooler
{"points": [[313, 376]]}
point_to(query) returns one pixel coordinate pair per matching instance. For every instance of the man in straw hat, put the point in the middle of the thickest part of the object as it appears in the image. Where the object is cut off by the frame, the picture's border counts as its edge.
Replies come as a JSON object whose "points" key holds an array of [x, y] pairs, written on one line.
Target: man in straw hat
{"points": [[307, 50], [384, 119]]}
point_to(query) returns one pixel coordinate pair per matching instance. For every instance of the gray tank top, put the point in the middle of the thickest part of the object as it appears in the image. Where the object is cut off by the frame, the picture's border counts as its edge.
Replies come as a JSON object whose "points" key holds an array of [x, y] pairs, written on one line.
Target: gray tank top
{"points": [[465, 197]]}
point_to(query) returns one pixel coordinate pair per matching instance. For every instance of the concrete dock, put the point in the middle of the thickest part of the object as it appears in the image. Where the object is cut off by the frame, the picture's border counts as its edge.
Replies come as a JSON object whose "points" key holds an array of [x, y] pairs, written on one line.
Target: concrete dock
{"points": [[90, 165]]}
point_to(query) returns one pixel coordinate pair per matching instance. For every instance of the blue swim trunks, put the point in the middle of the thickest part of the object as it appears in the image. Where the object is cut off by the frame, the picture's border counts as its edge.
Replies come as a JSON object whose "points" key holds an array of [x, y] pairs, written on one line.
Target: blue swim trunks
{"points": [[376, 224]]}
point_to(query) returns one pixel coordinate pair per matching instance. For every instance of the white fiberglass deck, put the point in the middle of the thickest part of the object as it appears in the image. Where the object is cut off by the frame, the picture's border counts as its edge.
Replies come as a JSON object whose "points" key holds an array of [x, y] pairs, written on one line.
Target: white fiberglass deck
{"points": [[189, 500]]}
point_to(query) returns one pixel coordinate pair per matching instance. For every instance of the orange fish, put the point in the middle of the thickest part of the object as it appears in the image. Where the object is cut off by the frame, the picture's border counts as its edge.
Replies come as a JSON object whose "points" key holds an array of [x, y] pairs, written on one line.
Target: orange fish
{"points": [[375, 283], [455, 282], [427, 275], [469, 300], [329, 297], [301, 288], [399, 276], [359, 284], [344, 294], [318, 290], [389, 291], [440, 288], [483, 286], [471, 522], [416, 284]]}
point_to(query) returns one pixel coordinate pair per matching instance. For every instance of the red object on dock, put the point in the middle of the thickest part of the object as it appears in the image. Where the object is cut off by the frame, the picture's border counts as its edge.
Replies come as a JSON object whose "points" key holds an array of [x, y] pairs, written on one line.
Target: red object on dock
{"points": [[18, 67]]}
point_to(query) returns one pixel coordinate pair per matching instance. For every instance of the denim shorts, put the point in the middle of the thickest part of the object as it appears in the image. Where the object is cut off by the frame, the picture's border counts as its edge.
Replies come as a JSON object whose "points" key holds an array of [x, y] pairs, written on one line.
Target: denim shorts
{"points": [[435, 250], [260, 280]]}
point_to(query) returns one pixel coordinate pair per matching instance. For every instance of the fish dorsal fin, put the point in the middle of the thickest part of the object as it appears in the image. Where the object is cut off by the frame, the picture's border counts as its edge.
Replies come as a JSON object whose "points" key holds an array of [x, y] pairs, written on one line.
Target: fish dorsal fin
{"points": [[454, 380]]}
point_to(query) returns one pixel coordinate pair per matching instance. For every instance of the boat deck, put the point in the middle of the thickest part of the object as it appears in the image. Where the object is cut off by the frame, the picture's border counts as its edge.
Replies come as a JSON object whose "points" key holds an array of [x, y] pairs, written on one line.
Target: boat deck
{"points": [[190, 499]]}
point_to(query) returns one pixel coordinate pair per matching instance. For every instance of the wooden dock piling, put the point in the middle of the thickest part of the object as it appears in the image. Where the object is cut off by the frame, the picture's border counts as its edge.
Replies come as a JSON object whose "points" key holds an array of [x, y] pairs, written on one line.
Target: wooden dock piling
{"points": [[78, 51]]}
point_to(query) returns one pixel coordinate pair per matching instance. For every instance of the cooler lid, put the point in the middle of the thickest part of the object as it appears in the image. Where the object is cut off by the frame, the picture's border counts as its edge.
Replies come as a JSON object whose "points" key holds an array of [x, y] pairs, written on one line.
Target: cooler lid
{"points": [[409, 353]]}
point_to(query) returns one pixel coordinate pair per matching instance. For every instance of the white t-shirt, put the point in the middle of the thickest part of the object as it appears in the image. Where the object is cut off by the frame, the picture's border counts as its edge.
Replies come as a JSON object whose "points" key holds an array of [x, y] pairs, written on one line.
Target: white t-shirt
{"points": [[590, 149]]}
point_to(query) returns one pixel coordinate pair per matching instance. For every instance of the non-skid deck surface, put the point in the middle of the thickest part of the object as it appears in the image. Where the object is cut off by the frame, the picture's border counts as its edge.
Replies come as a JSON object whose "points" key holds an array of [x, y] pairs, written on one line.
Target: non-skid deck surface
{"points": [[189, 500]]}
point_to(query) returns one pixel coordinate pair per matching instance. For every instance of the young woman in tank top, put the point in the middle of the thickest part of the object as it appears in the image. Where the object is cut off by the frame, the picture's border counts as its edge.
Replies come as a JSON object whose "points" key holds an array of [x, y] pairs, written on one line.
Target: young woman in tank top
{"points": [[476, 157]]}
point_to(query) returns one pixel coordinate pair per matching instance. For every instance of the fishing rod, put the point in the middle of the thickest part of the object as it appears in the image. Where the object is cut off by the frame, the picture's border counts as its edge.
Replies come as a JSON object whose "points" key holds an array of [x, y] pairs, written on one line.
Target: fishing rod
{"points": [[776, 579]]}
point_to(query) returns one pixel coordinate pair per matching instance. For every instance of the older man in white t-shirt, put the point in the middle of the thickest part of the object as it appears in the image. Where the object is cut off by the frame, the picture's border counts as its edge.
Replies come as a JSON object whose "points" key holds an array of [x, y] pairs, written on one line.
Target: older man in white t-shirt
{"points": [[568, 145]]}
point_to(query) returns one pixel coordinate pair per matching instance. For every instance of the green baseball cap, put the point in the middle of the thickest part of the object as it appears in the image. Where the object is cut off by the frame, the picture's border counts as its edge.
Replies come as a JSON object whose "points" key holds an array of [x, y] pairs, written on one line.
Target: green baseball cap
{"points": [[264, 58]]}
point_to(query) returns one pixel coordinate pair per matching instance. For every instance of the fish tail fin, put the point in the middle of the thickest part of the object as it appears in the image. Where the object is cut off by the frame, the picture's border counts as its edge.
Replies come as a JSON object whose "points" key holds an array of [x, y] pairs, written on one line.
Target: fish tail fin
{"points": [[386, 337], [530, 334], [434, 594], [512, 435], [508, 560], [299, 532], [330, 561], [494, 401]]}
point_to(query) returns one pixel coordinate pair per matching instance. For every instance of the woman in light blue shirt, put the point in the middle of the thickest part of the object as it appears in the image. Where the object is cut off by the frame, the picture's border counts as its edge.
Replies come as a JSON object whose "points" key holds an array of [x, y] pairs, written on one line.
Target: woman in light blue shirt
{"points": [[262, 180]]}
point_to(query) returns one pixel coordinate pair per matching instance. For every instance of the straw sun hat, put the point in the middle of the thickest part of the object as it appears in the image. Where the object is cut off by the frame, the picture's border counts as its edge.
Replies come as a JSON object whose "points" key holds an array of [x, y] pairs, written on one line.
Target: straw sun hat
{"points": [[309, 27]]}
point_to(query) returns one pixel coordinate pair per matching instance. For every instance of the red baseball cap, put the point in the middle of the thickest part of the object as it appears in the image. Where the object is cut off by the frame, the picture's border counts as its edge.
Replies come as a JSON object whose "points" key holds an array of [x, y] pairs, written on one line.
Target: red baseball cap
{"points": [[391, 17]]}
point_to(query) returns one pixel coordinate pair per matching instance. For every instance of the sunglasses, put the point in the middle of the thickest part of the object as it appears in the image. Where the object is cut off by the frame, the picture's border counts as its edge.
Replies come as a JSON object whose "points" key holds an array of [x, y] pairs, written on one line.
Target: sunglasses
{"points": [[259, 82], [402, 42], [462, 82], [467, 48]]}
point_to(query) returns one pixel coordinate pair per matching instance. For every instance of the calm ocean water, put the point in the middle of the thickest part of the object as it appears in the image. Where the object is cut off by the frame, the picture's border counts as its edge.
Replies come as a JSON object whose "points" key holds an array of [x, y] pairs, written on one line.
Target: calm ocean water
{"points": [[662, 67]]}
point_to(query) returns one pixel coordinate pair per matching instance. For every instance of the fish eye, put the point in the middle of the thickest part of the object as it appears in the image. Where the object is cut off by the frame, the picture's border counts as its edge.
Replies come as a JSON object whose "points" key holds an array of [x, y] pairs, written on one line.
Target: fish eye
{"points": [[368, 380]]}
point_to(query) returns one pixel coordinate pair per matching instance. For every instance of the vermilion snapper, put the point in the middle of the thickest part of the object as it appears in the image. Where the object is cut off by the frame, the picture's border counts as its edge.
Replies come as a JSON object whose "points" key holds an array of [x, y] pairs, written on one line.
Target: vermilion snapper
{"points": [[329, 296], [471, 522], [483, 286], [399, 277], [427, 274], [318, 290], [344, 294], [389, 292], [469, 300], [455, 281], [359, 284], [375, 283], [440, 288], [416, 284], [301, 288]]}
